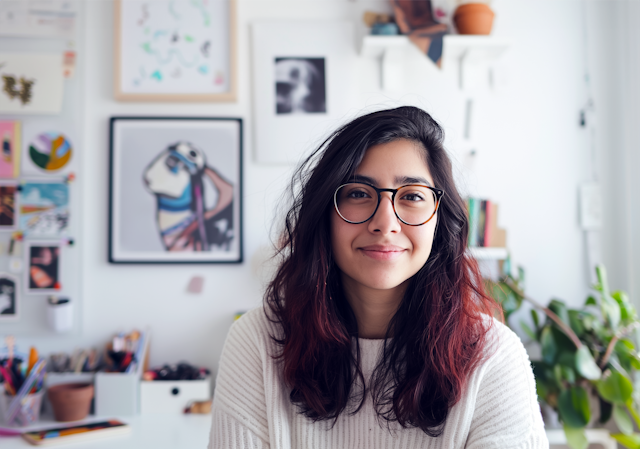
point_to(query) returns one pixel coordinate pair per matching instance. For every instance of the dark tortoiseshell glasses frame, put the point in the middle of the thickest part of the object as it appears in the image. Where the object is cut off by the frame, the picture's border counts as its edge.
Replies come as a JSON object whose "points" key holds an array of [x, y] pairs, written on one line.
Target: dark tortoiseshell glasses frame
{"points": [[439, 193]]}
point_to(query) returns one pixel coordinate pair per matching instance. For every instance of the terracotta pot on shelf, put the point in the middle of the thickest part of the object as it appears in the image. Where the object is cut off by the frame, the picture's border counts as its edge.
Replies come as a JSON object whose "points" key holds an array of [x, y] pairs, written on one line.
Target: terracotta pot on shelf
{"points": [[474, 18], [70, 402]]}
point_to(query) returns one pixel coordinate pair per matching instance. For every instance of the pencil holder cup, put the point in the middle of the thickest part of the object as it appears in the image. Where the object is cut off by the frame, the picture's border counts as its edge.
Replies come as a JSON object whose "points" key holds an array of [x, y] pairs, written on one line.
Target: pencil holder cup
{"points": [[70, 402], [60, 316], [28, 411]]}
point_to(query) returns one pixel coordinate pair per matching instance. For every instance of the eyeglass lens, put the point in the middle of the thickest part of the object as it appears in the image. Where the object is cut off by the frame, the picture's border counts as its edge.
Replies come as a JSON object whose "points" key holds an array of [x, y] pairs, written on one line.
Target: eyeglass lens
{"points": [[357, 203]]}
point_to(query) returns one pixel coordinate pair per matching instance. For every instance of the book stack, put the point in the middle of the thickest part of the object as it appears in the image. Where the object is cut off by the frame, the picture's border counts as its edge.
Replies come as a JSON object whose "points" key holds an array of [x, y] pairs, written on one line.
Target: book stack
{"points": [[483, 224]]}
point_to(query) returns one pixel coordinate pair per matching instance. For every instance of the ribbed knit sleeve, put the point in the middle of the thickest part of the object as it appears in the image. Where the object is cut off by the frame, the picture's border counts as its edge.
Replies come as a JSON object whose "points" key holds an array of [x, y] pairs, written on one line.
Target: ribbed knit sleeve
{"points": [[239, 404], [507, 413]]}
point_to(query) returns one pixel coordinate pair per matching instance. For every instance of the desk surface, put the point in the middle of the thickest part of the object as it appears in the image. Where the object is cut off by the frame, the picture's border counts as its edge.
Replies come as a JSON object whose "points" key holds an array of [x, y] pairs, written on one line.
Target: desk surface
{"points": [[147, 431]]}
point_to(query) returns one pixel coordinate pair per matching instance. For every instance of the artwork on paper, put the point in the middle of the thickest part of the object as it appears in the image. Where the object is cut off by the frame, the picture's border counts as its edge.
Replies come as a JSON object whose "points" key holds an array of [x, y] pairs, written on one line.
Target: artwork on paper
{"points": [[44, 208], [8, 298], [175, 47], [10, 156], [31, 83], [8, 206], [300, 85], [50, 151], [43, 270], [175, 190], [37, 18]]}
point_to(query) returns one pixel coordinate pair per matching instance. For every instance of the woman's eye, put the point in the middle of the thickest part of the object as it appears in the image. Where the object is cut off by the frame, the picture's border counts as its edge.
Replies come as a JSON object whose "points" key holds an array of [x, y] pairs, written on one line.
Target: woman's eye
{"points": [[413, 197], [358, 194]]}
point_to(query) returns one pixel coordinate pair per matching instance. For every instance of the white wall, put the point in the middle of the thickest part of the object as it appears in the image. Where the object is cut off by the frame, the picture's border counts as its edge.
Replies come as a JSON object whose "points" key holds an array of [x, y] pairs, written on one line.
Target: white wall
{"points": [[531, 158]]}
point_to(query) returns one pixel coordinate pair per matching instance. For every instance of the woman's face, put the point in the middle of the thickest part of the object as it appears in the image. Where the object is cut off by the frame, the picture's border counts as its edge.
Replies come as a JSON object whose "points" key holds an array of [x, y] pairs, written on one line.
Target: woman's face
{"points": [[383, 253]]}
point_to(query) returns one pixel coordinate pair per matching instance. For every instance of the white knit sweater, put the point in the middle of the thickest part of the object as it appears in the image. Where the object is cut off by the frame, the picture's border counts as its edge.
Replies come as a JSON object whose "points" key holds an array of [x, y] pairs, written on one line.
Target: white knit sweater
{"points": [[251, 407]]}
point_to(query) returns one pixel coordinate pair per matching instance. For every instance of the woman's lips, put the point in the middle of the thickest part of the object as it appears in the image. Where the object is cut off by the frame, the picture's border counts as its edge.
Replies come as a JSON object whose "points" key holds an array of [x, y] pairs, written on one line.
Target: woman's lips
{"points": [[382, 252]]}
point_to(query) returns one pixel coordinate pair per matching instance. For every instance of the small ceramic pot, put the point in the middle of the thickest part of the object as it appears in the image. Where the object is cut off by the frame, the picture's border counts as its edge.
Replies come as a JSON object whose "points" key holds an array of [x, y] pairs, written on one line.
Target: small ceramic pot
{"points": [[70, 402], [474, 18]]}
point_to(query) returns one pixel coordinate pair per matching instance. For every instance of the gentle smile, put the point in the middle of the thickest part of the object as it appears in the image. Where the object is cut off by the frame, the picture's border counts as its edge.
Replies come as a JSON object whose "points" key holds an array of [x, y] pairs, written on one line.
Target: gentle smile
{"points": [[382, 252]]}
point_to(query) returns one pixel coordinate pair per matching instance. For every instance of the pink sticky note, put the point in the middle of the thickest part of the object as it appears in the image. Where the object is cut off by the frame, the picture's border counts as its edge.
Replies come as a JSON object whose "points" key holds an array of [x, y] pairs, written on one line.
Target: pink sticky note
{"points": [[195, 284]]}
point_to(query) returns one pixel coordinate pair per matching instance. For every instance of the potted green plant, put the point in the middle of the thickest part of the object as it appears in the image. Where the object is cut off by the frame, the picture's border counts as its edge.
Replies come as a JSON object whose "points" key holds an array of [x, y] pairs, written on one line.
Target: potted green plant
{"points": [[590, 351]]}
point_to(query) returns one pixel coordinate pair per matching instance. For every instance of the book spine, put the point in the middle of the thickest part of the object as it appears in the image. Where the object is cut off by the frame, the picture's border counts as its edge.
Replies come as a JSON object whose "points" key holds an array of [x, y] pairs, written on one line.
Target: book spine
{"points": [[488, 223], [482, 219], [473, 221]]}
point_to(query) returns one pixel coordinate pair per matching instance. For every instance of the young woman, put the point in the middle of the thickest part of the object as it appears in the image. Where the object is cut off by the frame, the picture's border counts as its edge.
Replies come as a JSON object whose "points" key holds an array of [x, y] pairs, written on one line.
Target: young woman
{"points": [[376, 332]]}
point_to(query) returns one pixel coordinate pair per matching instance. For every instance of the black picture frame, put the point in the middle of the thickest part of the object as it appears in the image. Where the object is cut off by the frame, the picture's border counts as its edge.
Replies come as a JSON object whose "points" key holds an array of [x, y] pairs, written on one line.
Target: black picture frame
{"points": [[175, 190]]}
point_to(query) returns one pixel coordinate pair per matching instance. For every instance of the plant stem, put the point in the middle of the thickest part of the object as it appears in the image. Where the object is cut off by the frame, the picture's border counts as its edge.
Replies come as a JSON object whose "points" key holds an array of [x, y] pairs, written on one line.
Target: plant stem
{"points": [[561, 324], [621, 333]]}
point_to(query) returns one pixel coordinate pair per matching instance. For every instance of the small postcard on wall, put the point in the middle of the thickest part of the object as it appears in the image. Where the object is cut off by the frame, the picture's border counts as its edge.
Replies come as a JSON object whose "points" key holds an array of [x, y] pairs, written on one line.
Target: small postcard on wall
{"points": [[9, 305], [32, 83], [44, 208], [43, 269], [10, 151]]}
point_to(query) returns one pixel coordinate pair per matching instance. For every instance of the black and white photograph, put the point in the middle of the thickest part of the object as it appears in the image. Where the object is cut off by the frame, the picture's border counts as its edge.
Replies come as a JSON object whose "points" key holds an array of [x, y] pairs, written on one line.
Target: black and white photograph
{"points": [[8, 298], [175, 190], [300, 85]]}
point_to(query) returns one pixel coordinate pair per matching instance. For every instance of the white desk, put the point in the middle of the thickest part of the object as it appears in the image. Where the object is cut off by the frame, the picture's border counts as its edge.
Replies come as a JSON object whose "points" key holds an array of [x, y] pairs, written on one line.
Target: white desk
{"points": [[594, 436], [147, 431]]}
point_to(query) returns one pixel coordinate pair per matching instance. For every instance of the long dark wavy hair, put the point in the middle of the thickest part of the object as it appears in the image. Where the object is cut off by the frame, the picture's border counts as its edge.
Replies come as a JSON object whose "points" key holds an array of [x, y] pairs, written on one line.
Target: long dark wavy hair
{"points": [[437, 336]]}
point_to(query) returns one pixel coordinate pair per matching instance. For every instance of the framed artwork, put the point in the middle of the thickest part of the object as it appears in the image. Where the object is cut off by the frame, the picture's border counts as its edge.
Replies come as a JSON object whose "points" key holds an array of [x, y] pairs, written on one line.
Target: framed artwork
{"points": [[9, 300], [42, 275], [8, 205], [168, 50], [10, 156], [44, 208], [303, 85], [175, 190]]}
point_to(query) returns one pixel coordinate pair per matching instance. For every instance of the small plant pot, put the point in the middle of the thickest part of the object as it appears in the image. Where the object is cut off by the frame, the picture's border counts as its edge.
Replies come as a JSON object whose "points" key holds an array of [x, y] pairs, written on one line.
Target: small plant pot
{"points": [[474, 18], [70, 402]]}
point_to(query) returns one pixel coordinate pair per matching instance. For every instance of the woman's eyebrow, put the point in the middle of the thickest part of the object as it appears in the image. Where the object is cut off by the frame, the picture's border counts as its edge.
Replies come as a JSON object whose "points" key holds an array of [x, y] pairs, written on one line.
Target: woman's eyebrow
{"points": [[365, 179], [403, 180]]}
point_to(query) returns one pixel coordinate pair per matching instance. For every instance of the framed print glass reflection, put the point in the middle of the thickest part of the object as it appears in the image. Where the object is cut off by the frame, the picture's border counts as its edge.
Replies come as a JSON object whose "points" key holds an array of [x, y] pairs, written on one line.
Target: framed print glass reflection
{"points": [[175, 190]]}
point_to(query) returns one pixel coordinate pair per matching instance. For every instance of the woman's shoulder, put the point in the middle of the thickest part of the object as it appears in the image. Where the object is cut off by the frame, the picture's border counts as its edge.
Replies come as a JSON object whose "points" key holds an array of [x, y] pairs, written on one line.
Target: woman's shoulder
{"points": [[503, 345], [254, 326]]}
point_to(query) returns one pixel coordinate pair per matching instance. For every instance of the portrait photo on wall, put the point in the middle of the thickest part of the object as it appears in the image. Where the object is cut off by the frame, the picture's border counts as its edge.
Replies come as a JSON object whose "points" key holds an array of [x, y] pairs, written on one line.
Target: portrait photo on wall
{"points": [[43, 267], [9, 302], [8, 205], [300, 85], [175, 190]]}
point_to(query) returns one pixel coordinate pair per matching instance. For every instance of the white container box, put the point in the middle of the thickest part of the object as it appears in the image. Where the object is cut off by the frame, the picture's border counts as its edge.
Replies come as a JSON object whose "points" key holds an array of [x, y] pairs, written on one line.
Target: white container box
{"points": [[167, 396]]}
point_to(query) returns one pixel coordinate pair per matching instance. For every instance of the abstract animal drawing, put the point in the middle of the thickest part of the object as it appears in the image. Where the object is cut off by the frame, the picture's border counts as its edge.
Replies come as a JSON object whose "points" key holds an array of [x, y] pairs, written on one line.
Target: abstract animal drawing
{"points": [[177, 178], [8, 297]]}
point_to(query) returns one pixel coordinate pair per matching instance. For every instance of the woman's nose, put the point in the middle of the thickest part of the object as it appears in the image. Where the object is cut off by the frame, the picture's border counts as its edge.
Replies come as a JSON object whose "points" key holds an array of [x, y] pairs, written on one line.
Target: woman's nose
{"points": [[384, 221]]}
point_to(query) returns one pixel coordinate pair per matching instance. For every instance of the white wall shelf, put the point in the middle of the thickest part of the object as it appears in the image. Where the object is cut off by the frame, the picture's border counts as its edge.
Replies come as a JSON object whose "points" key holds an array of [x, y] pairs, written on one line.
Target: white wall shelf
{"points": [[468, 51], [482, 253]]}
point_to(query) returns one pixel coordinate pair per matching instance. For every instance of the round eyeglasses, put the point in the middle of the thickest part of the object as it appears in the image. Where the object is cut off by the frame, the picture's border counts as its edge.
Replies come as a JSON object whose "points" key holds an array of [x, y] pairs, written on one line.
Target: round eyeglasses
{"points": [[413, 204]]}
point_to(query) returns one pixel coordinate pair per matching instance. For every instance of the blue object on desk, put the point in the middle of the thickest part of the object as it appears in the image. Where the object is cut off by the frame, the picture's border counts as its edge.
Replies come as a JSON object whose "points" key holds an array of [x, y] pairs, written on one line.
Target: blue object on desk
{"points": [[384, 29]]}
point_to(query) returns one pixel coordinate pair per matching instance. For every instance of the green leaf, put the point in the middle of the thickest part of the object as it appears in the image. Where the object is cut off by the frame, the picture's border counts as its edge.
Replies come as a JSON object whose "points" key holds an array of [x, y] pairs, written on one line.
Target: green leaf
{"points": [[576, 438], [562, 341], [535, 318], [575, 321], [615, 388], [559, 308], [591, 301], [566, 358], [630, 441], [568, 374], [549, 348], [573, 405], [586, 365], [622, 419], [609, 306], [603, 284], [527, 330], [521, 278]]}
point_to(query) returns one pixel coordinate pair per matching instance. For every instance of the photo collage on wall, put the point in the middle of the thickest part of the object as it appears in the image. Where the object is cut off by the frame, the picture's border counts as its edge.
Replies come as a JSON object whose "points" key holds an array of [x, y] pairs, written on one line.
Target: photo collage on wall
{"points": [[34, 211]]}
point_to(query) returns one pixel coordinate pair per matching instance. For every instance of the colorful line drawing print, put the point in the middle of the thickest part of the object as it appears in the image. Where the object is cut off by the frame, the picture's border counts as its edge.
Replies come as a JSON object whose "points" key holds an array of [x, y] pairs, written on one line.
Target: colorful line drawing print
{"points": [[50, 151], [8, 297], [44, 208], [10, 151], [7, 206], [43, 274], [177, 177], [175, 46]]}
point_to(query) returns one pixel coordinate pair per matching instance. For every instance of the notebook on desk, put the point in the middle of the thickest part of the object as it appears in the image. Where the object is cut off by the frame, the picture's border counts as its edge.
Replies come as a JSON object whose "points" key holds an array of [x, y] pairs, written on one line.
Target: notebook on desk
{"points": [[82, 432]]}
